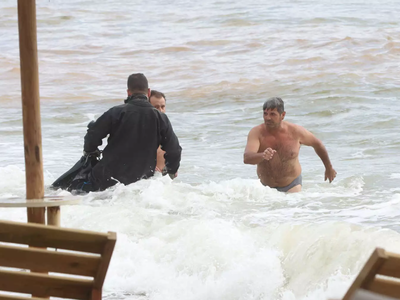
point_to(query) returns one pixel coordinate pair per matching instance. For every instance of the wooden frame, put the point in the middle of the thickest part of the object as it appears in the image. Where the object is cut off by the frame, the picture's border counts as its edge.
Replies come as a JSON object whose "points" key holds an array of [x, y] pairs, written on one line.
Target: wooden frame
{"points": [[51, 203], [380, 275], [74, 252]]}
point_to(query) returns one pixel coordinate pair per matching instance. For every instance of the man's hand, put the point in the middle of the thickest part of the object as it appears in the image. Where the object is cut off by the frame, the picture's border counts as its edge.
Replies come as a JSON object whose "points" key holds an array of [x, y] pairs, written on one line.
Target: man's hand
{"points": [[330, 174], [173, 176], [268, 153], [95, 153]]}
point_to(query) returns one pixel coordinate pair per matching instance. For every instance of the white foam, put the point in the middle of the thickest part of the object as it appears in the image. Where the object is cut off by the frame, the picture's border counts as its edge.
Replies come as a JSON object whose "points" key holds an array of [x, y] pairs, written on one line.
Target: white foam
{"points": [[229, 240]]}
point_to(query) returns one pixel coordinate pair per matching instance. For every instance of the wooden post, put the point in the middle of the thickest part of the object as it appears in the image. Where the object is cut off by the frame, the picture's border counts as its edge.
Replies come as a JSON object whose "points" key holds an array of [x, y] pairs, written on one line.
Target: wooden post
{"points": [[31, 106], [53, 216]]}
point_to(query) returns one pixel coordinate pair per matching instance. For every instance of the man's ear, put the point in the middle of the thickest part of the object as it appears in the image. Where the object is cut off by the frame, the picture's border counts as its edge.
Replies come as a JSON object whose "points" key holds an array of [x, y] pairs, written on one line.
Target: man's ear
{"points": [[283, 115], [128, 92], [148, 93]]}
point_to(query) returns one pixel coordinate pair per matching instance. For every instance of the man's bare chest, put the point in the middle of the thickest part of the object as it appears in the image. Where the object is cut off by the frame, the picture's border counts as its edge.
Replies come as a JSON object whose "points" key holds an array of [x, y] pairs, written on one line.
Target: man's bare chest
{"points": [[286, 146]]}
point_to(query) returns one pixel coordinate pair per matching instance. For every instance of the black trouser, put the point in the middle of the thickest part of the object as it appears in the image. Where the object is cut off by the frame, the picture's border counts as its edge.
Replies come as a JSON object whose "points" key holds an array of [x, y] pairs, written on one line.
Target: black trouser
{"points": [[91, 184]]}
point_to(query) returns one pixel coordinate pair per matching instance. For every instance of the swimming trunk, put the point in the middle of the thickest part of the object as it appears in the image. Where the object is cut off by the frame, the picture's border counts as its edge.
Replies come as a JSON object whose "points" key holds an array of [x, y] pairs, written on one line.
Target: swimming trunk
{"points": [[295, 182]]}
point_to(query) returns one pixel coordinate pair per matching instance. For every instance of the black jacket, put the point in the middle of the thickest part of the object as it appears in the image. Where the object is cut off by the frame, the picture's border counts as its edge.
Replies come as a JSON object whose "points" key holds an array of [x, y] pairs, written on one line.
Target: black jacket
{"points": [[135, 130]]}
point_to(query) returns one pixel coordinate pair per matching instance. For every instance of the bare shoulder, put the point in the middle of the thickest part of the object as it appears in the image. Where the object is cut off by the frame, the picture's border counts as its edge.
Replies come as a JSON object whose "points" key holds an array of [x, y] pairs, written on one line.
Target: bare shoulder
{"points": [[294, 127], [256, 130], [297, 131]]}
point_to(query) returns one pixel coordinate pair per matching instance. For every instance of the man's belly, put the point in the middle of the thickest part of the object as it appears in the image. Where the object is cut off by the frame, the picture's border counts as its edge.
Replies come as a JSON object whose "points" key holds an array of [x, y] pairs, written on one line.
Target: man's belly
{"points": [[278, 174]]}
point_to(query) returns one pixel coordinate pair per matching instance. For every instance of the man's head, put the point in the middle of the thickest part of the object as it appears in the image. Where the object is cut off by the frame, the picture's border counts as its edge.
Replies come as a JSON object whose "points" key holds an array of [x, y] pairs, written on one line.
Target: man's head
{"points": [[274, 112], [158, 100], [138, 84]]}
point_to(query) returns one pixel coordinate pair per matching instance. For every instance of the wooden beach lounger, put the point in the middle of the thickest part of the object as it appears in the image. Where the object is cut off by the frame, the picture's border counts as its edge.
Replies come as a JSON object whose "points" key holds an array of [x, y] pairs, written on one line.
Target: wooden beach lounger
{"points": [[88, 254], [379, 278]]}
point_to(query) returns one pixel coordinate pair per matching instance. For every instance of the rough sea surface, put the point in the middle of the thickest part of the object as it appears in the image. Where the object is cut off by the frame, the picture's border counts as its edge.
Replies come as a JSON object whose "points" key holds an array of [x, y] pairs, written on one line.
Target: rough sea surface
{"points": [[215, 232]]}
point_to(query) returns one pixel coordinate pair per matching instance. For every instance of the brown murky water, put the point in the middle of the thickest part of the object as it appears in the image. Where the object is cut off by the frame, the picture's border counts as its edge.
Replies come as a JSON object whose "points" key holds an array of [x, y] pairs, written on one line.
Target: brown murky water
{"points": [[215, 232]]}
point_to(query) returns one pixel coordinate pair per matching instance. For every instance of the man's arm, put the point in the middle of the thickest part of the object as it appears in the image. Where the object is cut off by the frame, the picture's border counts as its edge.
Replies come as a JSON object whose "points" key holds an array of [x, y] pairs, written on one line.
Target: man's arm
{"points": [[160, 160], [308, 139], [170, 144], [96, 132], [251, 155]]}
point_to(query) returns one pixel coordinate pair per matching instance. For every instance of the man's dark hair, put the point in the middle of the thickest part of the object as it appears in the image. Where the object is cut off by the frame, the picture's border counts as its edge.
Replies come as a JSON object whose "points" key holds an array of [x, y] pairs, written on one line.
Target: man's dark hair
{"points": [[157, 94], [137, 83], [274, 102]]}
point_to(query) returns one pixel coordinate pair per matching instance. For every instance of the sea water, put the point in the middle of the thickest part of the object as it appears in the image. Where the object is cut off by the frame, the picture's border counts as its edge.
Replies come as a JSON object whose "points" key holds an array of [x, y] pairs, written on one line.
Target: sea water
{"points": [[215, 232]]}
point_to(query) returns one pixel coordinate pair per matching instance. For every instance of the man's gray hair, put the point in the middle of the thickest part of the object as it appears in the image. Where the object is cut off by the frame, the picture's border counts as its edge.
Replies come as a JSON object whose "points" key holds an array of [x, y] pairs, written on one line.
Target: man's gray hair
{"points": [[274, 102]]}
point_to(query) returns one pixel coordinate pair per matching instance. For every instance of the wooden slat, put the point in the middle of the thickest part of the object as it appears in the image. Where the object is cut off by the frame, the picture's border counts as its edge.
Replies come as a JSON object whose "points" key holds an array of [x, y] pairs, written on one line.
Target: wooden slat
{"points": [[96, 294], [48, 201], [367, 273], [42, 285], [12, 297], [105, 260], [392, 266], [372, 266], [385, 287], [41, 260], [50, 236]]}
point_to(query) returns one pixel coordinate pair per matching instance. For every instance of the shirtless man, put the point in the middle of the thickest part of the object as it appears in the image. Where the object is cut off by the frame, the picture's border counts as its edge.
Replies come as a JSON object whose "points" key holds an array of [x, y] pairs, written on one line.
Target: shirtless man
{"points": [[274, 147], [158, 100]]}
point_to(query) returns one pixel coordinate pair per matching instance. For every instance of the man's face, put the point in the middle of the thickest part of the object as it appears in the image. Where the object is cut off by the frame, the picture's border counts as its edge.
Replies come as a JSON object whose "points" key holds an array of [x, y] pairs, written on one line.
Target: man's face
{"points": [[272, 118], [158, 103]]}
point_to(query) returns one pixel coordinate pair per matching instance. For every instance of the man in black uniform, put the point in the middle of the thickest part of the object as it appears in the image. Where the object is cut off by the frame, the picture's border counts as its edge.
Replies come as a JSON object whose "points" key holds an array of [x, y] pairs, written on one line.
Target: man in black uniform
{"points": [[135, 130]]}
